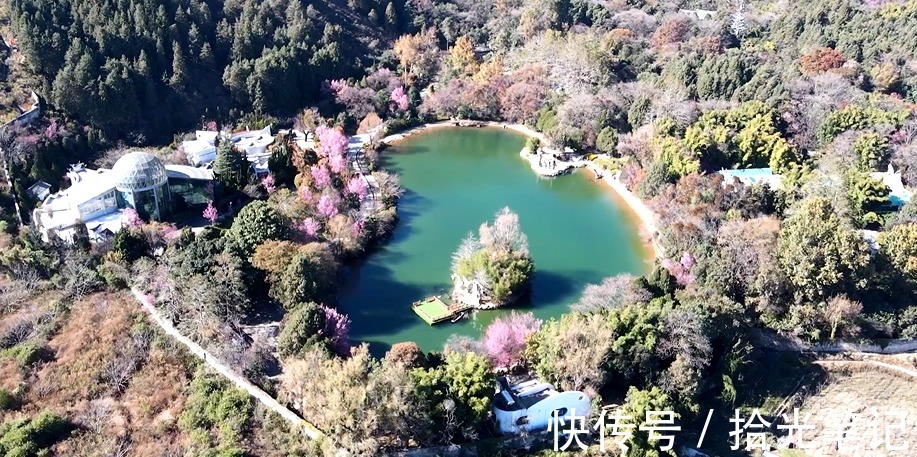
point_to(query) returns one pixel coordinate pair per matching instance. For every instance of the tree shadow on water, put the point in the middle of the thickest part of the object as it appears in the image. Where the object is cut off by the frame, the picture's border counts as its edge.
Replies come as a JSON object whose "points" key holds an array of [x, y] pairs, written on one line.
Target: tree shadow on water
{"points": [[551, 287], [378, 303]]}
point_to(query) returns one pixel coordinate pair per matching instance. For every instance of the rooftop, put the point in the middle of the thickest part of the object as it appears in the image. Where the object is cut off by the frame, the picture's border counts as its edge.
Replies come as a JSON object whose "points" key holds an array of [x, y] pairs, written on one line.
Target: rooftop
{"points": [[751, 176], [187, 172], [522, 395], [86, 185], [898, 194], [138, 170]]}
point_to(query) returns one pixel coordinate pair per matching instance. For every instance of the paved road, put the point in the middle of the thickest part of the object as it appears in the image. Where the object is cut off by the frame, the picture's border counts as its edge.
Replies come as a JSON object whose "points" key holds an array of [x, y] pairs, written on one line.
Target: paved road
{"points": [[240, 382]]}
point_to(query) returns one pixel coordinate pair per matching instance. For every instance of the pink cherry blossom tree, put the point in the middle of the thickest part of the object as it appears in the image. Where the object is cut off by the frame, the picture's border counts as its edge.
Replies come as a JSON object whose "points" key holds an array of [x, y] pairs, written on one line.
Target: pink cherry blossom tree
{"points": [[504, 339], [170, 232], [309, 228], [269, 184], [357, 229], [210, 213], [337, 162], [321, 178], [357, 186], [337, 329], [306, 195], [327, 206], [681, 269], [131, 217], [358, 101], [331, 141], [399, 99]]}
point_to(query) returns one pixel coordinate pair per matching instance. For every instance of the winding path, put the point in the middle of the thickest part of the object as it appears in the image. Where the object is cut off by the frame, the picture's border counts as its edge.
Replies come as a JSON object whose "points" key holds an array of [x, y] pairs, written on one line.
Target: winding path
{"points": [[239, 381], [355, 155]]}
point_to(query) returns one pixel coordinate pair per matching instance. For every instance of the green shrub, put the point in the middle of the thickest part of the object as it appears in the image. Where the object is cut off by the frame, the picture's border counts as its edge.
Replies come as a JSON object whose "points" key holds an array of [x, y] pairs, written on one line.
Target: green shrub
{"points": [[532, 144], [302, 329], [114, 274], [212, 403], [27, 354], [131, 246], [607, 141], [7, 400], [32, 436]]}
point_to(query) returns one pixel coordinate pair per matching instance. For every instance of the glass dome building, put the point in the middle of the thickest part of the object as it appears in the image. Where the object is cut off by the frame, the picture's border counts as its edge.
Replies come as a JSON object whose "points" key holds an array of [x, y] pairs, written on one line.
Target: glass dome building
{"points": [[142, 183]]}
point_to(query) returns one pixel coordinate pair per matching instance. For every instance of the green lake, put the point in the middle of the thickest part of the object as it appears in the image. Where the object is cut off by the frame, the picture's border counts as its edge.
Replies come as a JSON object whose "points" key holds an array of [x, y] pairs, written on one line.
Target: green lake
{"points": [[456, 178]]}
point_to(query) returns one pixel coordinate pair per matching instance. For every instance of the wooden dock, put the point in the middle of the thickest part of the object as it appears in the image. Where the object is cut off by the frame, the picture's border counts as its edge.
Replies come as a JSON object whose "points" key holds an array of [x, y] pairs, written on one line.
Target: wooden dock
{"points": [[433, 310]]}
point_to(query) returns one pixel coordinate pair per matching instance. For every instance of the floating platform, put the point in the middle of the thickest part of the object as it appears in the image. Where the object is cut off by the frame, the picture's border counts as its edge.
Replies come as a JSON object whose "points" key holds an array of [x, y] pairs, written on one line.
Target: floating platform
{"points": [[433, 310]]}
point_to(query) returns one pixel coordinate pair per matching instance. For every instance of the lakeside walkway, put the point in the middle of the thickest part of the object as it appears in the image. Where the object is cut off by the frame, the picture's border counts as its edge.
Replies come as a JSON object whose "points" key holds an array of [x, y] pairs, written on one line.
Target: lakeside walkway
{"points": [[357, 158]]}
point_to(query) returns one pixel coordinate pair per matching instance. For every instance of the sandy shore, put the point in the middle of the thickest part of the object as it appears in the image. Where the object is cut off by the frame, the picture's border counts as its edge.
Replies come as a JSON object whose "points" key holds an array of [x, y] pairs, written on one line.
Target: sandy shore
{"points": [[646, 216]]}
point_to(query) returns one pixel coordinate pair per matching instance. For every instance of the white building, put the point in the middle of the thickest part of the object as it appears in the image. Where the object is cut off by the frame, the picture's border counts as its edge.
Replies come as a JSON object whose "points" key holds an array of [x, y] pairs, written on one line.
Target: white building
{"points": [[138, 180], [530, 406], [898, 195], [752, 176], [202, 149]]}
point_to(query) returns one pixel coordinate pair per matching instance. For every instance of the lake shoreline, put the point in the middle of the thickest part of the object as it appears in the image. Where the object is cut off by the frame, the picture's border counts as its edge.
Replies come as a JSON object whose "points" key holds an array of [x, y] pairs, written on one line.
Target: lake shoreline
{"points": [[634, 205]]}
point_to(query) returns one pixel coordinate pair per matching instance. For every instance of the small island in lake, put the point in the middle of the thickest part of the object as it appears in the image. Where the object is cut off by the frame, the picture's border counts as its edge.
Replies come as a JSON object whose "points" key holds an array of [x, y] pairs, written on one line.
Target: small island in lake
{"points": [[493, 269]]}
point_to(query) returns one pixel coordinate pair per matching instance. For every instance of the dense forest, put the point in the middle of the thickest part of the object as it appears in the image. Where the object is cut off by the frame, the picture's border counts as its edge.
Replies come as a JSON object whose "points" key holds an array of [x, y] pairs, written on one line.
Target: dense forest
{"points": [[144, 69], [662, 94]]}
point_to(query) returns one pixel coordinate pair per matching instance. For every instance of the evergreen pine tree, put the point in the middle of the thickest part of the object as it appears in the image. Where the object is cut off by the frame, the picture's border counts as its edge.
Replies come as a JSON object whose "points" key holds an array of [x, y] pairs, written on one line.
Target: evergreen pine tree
{"points": [[179, 68], [231, 167], [391, 17]]}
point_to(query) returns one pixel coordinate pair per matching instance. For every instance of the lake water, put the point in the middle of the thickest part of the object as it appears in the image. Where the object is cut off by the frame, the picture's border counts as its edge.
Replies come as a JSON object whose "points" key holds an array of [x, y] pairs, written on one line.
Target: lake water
{"points": [[456, 178]]}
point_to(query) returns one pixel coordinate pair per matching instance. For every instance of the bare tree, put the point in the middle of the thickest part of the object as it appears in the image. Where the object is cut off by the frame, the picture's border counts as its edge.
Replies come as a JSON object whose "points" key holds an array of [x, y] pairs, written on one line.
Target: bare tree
{"points": [[467, 248], [505, 233], [21, 329], [389, 186], [840, 313], [12, 295], [96, 417], [78, 275], [738, 23], [613, 292]]}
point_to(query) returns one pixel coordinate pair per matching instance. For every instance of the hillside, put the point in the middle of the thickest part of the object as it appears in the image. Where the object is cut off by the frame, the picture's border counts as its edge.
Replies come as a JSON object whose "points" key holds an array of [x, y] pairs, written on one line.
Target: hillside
{"points": [[117, 386], [140, 70]]}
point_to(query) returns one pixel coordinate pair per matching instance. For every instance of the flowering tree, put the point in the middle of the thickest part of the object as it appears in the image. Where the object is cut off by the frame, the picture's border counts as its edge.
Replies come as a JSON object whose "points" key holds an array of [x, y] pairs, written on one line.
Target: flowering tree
{"points": [[321, 178], [169, 232], [309, 228], [337, 163], [327, 206], [357, 186], [399, 100], [269, 184], [383, 79], [504, 339], [52, 130], [331, 141], [131, 217], [357, 229], [210, 213], [358, 101], [306, 195], [681, 269], [337, 329]]}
